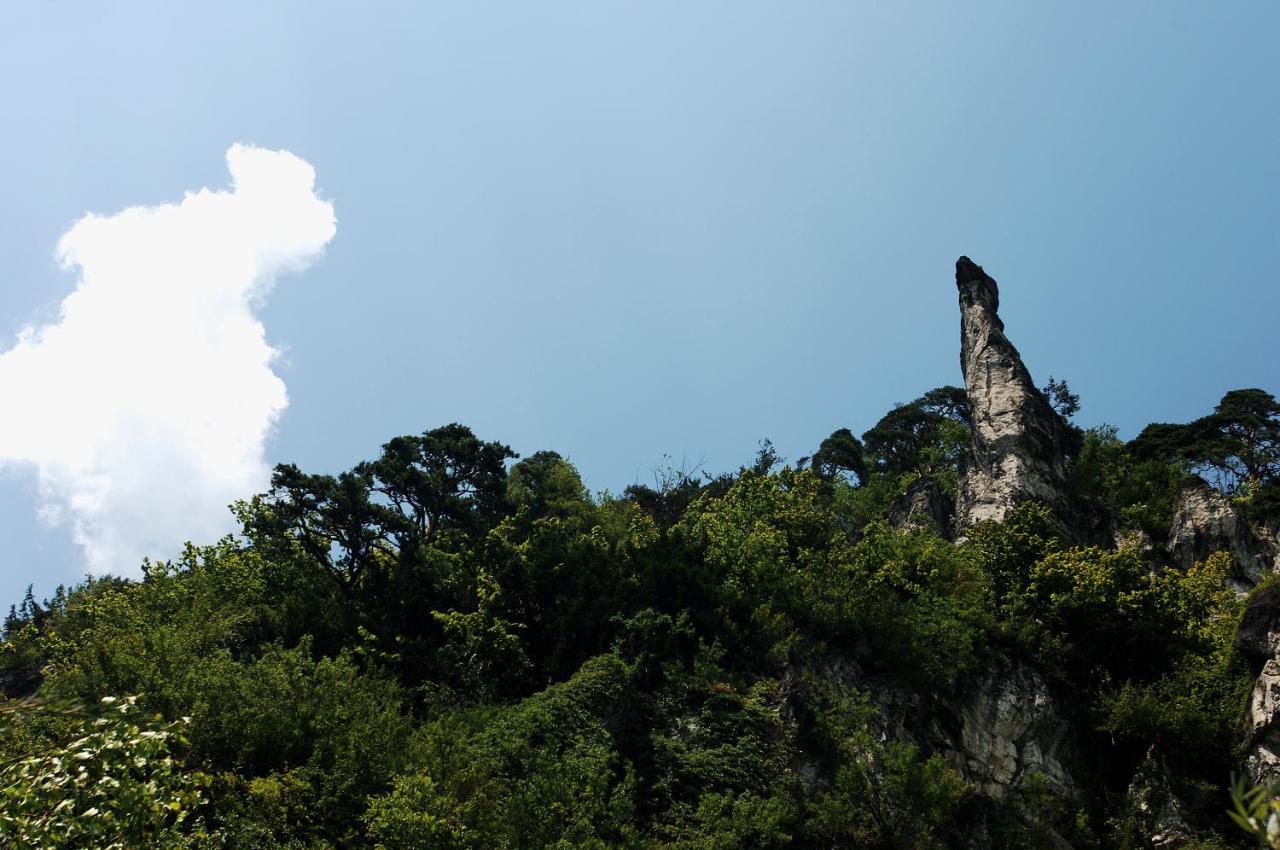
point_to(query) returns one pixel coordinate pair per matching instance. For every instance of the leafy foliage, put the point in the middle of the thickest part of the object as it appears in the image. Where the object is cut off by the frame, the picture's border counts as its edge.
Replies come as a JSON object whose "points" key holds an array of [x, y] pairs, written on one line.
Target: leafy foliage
{"points": [[116, 785], [927, 436], [1061, 398], [1238, 444], [435, 650]]}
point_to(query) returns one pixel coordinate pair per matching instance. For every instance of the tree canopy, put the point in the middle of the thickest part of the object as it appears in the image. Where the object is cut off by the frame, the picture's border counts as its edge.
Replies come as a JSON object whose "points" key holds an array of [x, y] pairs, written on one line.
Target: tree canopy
{"points": [[449, 647]]}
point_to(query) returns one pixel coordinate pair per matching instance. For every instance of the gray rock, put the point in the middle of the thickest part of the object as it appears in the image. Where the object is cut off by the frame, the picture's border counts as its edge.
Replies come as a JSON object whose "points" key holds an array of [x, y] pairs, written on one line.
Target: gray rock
{"points": [[1162, 815], [924, 506], [1136, 539], [1019, 440], [1205, 522], [1001, 727], [1262, 744], [1259, 632], [1259, 638], [1010, 729]]}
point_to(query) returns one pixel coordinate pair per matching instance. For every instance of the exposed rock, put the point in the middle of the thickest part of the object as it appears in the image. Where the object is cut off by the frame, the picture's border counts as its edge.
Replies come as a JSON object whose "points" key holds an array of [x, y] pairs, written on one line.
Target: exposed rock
{"points": [[1161, 813], [1019, 440], [998, 730], [1136, 539], [1259, 638], [1205, 522], [1262, 744], [1259, 633], [923, 506], [1011, 729]]}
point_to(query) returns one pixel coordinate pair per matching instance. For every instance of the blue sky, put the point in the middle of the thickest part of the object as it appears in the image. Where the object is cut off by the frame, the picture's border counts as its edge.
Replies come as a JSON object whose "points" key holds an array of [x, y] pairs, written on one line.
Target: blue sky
{"points": [[624, 230]]}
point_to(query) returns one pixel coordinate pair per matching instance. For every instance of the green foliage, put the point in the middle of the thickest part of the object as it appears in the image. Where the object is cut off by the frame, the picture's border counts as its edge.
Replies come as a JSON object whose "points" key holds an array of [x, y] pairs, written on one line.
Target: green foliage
{"points": [[546, 485], [1256, 810], [728, 821], [1189, 705], [1061, 398], [542, 773], [885, 794], [355, 523], [1237, 445], [1037, 817], [430, 650], [483, 647], [929, 436], [1095, 616], [840, 453], [115, 786], [1109, 475]]}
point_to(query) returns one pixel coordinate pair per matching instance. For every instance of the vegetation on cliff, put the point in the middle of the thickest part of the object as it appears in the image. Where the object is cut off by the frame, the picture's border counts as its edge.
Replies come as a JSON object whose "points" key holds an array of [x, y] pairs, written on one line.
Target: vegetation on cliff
{"points": [[441, 648]]}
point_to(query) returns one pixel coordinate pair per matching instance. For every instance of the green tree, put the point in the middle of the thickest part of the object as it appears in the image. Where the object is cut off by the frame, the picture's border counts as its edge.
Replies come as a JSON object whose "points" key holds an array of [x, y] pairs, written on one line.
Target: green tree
{"points": [[546, 485], [928, 436], [885, 794], [1061, 398], [116, 785], [839, 453], [1238, 444]]}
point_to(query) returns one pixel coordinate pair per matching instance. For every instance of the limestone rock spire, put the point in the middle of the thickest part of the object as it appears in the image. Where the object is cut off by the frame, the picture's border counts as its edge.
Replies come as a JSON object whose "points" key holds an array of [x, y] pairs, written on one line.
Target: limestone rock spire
{"points": [[1019, 440]]}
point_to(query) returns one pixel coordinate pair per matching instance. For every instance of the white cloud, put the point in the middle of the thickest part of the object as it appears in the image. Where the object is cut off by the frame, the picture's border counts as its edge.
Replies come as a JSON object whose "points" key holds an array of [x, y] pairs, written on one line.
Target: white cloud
{"points": [[145, 407]]}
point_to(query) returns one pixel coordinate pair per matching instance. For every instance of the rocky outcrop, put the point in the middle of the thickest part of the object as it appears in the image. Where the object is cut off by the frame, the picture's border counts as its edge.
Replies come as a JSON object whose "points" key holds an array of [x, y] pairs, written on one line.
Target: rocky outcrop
{"points": [[1160, 814], [1019, 440], [924, 506], [1258, 638], [1205, 522], [1010, 729], [1001, 728], [1262, 740], [1259, 634]]}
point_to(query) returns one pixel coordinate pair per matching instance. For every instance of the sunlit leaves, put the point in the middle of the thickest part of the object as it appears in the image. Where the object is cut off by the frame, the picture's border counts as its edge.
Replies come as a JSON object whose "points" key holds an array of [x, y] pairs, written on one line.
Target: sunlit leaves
{"points": [[116, 786]]}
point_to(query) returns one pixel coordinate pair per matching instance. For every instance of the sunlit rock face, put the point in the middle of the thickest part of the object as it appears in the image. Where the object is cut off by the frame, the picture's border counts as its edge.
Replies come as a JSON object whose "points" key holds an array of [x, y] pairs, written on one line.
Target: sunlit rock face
{"points": [[1019, 441], [1161, 816], [1205, 521], [1000, 727], [1259, 639], [1012, 728]]}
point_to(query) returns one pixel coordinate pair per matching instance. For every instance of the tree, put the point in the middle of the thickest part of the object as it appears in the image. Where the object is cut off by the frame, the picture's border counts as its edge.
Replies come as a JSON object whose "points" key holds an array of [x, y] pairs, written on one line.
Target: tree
{"points": [[115, 786], [885, 794], [929, 434], [444, 479], [1238, 444], [545, 484], [674, 489], [1245, 427], [1061, 398], [766, 458], [839, 453], [333, 519]]}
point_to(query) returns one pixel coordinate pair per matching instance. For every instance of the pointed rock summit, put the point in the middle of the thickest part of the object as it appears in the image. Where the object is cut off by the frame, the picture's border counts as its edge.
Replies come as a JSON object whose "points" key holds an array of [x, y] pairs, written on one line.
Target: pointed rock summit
{"points": [[1019, 440]]}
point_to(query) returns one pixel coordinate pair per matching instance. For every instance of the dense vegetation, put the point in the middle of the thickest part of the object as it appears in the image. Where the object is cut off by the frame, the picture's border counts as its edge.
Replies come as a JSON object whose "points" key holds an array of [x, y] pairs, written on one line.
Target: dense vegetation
{"points": [[446, 647]]}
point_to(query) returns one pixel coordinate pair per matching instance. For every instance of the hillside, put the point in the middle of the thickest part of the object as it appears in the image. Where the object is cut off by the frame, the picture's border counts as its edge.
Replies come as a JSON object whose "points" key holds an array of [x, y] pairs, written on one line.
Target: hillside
{"points": [[976, 625]]}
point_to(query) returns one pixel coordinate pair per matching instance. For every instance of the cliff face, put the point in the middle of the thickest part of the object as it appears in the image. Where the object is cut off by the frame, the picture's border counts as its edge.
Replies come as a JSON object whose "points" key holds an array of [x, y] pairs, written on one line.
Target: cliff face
{"points": [[1259, 639], [1020, 450], [1000, 728], [1205, 521], [1019, 441]]}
